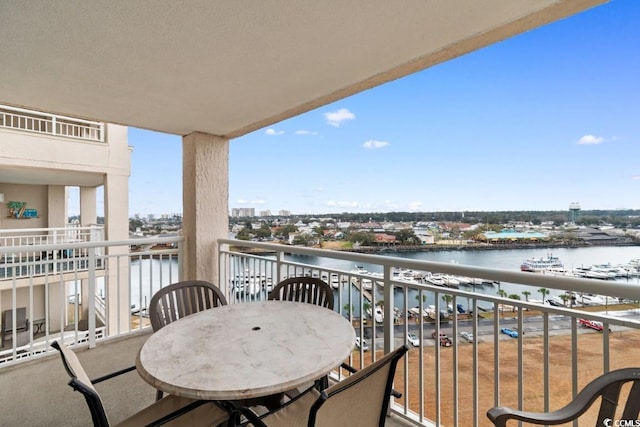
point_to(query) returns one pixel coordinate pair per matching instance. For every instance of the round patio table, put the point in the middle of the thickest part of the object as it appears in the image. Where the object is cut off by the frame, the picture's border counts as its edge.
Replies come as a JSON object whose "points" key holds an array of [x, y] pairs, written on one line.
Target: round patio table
{"points": [[248, 350]]}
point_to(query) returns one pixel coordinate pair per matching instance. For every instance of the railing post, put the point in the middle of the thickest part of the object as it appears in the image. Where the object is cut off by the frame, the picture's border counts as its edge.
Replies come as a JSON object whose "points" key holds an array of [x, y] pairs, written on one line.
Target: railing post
{"points": [[389, 314], [92, 297]]}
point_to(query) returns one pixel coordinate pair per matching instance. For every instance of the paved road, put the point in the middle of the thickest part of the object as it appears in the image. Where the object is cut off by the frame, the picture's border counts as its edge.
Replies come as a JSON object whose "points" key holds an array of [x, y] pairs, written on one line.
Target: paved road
{"points": [[533, 326]]}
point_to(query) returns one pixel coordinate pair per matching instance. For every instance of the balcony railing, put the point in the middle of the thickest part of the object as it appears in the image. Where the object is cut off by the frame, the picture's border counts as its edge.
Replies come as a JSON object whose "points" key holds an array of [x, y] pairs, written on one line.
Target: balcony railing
{"points": [[51, 124], [94, 291], [28, 261], [551, 358], [106, 292]]}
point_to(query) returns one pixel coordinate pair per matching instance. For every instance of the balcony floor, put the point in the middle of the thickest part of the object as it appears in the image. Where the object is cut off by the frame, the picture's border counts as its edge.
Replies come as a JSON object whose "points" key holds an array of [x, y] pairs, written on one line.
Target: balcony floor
{"points": [[36, 393]]}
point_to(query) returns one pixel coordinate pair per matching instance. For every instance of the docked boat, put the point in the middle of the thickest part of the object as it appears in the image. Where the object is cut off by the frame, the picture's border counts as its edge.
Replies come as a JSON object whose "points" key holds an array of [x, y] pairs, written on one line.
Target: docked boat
{"points": [[537, 265]]}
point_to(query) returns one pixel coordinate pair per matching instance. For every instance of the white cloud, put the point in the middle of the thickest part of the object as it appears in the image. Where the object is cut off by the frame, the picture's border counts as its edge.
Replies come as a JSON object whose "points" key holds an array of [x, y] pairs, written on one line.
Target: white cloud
{"points": [[242, 201], [320, 189], [373, 144], [306, 132], [635, 177], [273, 132], [258, 202], [336, 118], [333, 203], [414, 206], [590, 140]]}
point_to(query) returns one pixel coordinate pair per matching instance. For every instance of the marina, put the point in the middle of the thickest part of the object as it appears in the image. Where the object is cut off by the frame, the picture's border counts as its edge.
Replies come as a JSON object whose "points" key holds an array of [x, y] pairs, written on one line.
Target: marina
{"points": [[588, 262]]}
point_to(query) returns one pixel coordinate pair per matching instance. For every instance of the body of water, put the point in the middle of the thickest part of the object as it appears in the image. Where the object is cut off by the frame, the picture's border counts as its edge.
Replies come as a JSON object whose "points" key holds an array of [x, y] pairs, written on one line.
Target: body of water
{"points": [[506, 259], [146, 272]]}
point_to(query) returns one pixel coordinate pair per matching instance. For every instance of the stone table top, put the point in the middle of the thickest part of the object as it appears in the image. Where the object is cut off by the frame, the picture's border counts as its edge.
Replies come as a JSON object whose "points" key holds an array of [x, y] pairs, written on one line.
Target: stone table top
{"points": [[245, 350]]}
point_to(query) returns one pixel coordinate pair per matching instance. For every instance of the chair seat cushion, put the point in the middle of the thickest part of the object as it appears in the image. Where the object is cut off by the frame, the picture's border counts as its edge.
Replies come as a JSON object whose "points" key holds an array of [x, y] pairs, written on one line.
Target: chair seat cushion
{"points": [[207, 414]]}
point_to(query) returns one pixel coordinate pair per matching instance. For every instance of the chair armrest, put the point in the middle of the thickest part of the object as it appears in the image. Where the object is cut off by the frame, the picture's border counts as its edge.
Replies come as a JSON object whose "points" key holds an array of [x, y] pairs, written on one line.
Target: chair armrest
{"points": [[113, 374], [353, 370]]}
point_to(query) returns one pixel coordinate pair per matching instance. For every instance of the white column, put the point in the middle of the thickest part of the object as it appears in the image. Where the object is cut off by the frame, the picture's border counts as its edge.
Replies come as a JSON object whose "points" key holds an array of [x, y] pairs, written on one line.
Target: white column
{"points": [[57, 214], [116, 227], [205, 199], [88, 209]]}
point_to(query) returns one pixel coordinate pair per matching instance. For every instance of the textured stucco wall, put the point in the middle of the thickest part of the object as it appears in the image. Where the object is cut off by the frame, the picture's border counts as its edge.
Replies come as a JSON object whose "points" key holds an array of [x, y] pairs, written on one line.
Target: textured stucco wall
{"points": [[205, 198]]}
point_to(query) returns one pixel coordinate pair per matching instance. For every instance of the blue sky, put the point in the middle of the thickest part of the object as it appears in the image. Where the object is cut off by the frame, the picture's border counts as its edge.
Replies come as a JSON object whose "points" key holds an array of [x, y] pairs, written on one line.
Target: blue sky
{"points": [[535, 122]]}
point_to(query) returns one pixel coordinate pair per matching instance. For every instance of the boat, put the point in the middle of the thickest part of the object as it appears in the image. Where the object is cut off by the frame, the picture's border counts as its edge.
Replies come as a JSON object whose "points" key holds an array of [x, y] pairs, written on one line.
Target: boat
{"points": [[537, 265]]}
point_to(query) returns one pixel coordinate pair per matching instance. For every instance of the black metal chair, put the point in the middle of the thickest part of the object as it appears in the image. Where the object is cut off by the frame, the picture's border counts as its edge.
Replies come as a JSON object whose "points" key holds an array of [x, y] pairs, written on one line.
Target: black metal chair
{"points": [[181, 299], [304, 289], [607, 386], [170, 411], [362, 399]]}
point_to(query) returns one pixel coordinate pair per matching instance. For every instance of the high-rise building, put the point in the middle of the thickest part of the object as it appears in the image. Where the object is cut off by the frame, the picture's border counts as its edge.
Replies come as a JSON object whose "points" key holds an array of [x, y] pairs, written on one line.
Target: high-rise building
{"points": [[239, 212], [574, 212]]}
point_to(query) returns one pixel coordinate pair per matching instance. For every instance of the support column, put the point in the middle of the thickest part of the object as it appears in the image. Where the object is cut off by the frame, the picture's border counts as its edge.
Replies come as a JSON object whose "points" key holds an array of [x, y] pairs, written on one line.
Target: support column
{"points": [[205, 199], [57, 213], [88, 209], [116, 227]]}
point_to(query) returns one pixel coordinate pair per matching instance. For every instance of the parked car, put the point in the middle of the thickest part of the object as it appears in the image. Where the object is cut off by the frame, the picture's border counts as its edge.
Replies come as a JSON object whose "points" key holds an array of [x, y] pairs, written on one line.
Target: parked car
{"points": [[593, 324], [413, 339], [445, 341], [511, 332], [363, 344], [468, 336]]}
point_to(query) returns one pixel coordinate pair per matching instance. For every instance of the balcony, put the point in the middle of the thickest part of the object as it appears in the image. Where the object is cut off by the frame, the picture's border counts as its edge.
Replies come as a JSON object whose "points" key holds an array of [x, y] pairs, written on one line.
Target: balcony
{"points": [[553, 356], [50, 124]]}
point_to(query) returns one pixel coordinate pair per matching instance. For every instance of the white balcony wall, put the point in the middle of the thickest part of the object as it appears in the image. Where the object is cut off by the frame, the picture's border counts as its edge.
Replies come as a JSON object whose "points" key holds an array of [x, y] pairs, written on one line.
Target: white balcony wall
{"points": [[32, 150]]}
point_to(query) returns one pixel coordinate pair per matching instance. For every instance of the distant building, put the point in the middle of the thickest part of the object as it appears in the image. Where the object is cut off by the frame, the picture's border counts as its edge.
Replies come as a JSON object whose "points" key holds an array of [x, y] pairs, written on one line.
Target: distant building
{"points": [[574, 212], [241, 212], [283, 212], [265, 213]]}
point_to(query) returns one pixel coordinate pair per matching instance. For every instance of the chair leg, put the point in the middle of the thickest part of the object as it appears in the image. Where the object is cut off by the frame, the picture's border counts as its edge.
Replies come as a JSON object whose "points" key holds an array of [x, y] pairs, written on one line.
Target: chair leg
{"points": [[158, 394]]}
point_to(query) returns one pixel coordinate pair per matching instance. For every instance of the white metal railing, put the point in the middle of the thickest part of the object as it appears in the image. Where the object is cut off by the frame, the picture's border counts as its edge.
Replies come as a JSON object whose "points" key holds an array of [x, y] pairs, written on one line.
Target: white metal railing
{"points": [[99, 290], [25, 240], [451, 386], [51, 124]]}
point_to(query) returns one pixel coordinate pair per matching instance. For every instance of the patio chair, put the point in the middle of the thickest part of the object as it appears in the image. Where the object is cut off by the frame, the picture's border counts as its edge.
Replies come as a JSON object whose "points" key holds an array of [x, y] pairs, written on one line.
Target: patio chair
{"points": [[181, 299], [169, 411], [359, 400], [607, 386], [22, 323], [304, 289]]}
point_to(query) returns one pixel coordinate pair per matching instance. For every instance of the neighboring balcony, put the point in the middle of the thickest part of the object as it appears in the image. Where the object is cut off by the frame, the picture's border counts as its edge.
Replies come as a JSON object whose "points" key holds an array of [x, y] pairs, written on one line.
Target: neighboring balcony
{"points": [[553, 355], [50, 124]]}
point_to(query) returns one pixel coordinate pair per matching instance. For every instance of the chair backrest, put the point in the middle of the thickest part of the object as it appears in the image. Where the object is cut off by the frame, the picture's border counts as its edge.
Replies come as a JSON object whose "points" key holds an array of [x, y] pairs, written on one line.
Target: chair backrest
{"points": [[608, 386], [304, 289], [182, 299], [361, 399], [81, 382]]}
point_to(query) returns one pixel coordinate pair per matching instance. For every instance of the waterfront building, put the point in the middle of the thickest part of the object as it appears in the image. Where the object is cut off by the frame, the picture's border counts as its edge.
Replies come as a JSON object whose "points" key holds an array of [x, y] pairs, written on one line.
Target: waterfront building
{"points": [[44, 156]]}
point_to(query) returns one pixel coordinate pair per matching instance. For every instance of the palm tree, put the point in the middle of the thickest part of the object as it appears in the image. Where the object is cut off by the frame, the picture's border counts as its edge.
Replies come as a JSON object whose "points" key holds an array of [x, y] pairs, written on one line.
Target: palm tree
{"points": [[502, 293], [526, 295], [447, 299], [544, 292], [565, 298], [348, 308]]}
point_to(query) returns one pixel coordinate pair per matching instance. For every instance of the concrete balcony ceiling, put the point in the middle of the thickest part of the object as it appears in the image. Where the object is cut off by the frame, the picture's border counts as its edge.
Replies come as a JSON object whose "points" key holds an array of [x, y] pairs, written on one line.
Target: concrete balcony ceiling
{"points": [[229, 67]]}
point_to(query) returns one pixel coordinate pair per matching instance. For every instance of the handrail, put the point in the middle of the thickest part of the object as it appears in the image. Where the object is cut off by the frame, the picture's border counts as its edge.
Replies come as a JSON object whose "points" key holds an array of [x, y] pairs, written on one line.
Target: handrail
{"points": [[617, 289]]}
